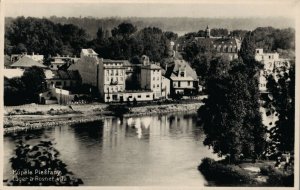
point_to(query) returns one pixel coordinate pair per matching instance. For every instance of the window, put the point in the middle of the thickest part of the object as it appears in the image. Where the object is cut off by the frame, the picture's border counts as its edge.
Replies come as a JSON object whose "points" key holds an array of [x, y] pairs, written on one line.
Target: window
{"points": [[158, 86], [153, 85], [182, 74], [179, 84], [139, 96], [189, 83], [58, 83], [129, 96], [147, 96]]}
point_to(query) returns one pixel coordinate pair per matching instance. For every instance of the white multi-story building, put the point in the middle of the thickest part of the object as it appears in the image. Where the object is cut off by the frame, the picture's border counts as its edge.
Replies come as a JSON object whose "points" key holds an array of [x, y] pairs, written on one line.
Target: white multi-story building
{"points": [[151, 77], [272, 63]]}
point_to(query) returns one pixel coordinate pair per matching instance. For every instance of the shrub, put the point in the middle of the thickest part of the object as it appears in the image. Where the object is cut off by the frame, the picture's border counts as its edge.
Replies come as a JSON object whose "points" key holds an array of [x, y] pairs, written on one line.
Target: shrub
{"points": [[224, 175], [40, 157]]}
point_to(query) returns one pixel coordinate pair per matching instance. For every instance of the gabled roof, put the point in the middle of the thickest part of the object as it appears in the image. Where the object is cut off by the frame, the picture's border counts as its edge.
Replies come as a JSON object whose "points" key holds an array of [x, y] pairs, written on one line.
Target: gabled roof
{"points": [[179, 64], [27, 62], [89, 52]]}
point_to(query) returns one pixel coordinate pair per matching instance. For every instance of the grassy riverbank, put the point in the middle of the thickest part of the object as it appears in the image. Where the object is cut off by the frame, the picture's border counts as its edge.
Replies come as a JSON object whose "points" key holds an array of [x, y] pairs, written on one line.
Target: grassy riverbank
{"points": [[262, 173], [33, 116]]}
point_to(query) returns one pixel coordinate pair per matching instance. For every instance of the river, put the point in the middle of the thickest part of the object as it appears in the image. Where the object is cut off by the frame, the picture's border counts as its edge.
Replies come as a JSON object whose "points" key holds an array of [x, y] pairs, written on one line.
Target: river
{"points": [[139, 151]]}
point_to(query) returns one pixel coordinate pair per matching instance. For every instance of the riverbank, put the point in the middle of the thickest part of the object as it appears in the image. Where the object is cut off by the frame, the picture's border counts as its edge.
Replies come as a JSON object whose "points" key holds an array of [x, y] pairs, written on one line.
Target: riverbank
{"points": [[33, 116], [259, 174]]}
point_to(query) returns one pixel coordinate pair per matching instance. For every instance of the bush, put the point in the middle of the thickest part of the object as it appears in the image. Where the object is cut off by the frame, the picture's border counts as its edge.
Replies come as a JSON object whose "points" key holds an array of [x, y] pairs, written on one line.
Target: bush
{"points": [[40, 157], [224, 175]]}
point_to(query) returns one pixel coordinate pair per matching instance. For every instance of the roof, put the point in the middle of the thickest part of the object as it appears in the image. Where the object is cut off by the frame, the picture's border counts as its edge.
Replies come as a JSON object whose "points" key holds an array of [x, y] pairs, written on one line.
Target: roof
{"points": [[62, 75], [89, 52], [27, 62], [178, 64], [222, 43]]}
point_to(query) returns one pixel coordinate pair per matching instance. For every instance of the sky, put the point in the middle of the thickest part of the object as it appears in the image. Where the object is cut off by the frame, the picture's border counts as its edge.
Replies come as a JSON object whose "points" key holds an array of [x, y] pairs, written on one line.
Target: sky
{"points": [[99, 9]]}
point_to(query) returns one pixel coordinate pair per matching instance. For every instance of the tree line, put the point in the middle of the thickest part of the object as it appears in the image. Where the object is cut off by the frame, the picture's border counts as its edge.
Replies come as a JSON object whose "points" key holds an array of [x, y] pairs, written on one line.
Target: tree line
{"points": [[122, 42]]}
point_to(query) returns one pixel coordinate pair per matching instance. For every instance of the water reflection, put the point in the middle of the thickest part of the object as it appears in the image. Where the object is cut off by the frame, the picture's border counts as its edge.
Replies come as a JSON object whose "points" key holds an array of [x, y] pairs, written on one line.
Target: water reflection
{"points": [[150, 150]]}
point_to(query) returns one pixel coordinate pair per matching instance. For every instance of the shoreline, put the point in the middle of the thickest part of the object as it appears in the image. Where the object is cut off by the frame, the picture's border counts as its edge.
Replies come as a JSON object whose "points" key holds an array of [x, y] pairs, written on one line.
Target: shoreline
{"points": [[26, 122]]}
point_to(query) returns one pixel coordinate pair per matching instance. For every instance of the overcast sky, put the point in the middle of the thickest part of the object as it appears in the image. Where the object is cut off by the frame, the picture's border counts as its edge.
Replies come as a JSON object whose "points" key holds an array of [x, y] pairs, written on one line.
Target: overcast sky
{"points": [[15, 8]]}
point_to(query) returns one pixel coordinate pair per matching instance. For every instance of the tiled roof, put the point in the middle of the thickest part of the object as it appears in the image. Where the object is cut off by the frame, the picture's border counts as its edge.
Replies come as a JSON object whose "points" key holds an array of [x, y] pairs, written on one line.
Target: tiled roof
{"points": [[27, 62], [89, 52]]}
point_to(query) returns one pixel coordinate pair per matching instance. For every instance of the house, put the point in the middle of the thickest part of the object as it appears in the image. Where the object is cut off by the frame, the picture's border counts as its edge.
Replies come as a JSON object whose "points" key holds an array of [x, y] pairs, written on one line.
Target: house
{"points": [[151, 77], [111, 79], [224, 45], [88, 67], [64, 79], [61, 85], [272, 65], [26, 62], [183, 78], [58, 61], [36, 57]]}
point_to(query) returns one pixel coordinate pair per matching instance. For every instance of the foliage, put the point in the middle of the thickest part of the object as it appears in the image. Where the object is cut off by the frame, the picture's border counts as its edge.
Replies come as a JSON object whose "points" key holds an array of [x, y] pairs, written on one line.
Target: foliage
{"points": [[24, 89], [230, 117], [44, 37], [282, 91], [277, 177], [41, 157], [271, 39], [13, 91], [224, 175]]}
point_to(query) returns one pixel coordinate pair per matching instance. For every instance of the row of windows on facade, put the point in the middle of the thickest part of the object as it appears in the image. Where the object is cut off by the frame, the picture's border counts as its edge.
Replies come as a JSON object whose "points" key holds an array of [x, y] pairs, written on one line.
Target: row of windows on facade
{"points": [[114, 79], [228, 49], [115, 97], [179, 84], [114, 72], [114, 89]]}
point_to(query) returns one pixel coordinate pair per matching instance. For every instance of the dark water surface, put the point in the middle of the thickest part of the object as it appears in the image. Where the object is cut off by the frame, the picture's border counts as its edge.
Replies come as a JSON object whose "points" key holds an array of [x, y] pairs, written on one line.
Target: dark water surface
{"points": [[137, 151]]}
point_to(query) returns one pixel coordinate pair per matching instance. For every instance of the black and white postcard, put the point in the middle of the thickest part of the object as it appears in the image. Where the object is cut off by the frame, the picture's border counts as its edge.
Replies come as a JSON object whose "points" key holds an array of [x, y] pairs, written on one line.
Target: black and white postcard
{"points": [[149, 94]]}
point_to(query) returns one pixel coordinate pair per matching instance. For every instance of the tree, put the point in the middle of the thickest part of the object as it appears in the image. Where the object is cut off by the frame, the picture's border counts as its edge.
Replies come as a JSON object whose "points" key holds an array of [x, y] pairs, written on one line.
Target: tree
{"points": [[282, 91], [230, 116], [13, 91], [34, 82], [124, 30]]}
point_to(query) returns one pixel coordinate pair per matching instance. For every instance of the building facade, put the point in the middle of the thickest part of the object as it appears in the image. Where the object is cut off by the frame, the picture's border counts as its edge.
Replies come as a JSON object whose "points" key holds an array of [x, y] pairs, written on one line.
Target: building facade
{"points": [[272, 65], [151, 77]]}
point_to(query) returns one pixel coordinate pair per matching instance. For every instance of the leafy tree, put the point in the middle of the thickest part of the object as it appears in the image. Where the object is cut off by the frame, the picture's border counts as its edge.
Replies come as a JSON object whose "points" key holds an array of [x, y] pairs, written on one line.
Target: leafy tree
{"points": [[171, 35], [283, 102], [123, 30], [13, 91], [34, 82], [230, 116]]}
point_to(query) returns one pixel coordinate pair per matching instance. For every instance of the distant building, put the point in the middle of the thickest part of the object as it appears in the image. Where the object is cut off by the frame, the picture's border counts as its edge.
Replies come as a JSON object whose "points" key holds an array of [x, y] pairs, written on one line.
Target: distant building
{"points": [[36, 57], [272, 63], [151, 77], [64, 79], [224, 45], [58, 61], [88, 67], [112, 79], [26, 62], [183, 78]]}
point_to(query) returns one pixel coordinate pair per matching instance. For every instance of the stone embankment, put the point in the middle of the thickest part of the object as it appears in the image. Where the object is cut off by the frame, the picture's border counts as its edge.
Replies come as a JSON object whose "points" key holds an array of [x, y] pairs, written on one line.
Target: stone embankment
{"points": [[30, 117]]}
